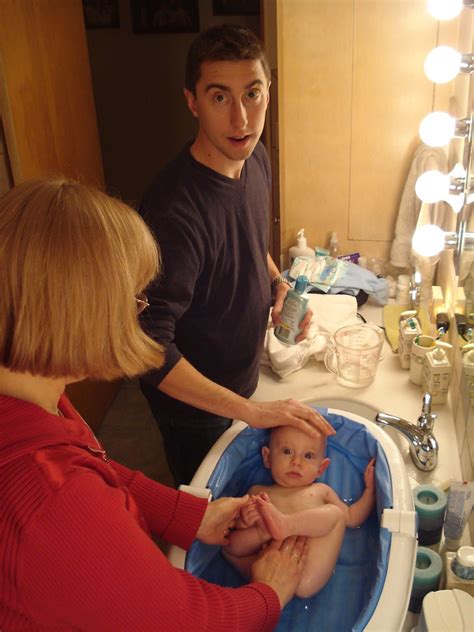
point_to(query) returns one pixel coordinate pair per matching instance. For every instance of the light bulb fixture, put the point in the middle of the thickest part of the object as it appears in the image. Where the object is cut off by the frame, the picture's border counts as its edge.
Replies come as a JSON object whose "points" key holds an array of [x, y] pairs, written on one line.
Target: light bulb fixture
{"points": [[443, 64], [434, 186], [447, 9], [428, 240], [438, 128]]}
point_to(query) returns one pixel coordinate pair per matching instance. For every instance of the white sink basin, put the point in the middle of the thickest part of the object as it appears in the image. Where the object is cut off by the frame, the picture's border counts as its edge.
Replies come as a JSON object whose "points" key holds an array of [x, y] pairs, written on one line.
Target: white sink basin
{"points": [[448, 467]]}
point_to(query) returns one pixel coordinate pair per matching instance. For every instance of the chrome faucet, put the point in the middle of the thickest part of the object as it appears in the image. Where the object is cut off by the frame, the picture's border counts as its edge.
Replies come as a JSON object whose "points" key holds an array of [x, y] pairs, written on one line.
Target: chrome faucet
{"points": [[415, 291], [423, 444]]}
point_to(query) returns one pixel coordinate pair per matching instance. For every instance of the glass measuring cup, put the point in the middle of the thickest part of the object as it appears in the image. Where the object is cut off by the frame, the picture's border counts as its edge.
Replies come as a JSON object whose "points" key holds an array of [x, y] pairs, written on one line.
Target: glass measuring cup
{"points": [[354, 353]]}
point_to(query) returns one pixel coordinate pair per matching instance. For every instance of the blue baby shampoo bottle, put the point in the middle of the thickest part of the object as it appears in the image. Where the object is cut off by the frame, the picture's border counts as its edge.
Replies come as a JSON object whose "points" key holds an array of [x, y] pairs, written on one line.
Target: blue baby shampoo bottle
{"points": [[294, 309]]}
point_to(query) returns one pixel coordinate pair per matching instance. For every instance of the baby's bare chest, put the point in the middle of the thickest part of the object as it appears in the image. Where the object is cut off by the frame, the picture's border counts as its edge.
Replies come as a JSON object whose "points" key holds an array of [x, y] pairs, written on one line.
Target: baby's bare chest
{"points": [[292, 500]]}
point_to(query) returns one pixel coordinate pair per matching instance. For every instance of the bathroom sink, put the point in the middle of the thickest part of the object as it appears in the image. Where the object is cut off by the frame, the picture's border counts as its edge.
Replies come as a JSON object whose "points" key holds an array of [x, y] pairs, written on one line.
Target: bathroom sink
{"points": [[447, 469]]}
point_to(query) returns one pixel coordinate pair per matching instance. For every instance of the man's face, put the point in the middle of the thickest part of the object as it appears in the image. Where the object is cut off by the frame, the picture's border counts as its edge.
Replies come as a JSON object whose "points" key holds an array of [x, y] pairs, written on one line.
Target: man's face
{"points": [[295, 458], [230, 104]]}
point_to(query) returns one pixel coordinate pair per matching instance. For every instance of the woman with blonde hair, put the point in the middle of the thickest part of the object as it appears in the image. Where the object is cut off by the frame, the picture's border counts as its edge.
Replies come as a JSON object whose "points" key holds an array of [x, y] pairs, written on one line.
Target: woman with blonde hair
{"points": [[76, 550]]}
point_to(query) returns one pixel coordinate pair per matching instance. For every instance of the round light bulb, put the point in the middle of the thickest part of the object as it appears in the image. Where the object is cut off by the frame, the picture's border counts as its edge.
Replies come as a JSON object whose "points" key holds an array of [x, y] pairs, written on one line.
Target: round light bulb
{"points": [[432, 186], [444, 9], [428, 240], [437, 129], [442, 64]]}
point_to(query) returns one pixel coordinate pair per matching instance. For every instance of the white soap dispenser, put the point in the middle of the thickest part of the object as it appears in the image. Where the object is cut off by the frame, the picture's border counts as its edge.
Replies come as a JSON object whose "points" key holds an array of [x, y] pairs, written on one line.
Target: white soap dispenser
{"points": [[436, 375], [301, 249], [334, 245]]}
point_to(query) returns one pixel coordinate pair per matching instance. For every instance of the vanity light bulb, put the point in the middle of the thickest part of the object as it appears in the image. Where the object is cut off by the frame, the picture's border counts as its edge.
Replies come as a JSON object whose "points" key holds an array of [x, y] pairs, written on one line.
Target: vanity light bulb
{"points": [[432, 186], [442, 64], [444, 9], [437, 129], [428, 240]]}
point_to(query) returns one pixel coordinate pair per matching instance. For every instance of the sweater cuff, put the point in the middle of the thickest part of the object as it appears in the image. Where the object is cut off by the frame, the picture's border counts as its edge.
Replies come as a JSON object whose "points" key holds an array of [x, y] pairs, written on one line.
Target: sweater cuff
{"points": [[187, 518], [272, 602]]}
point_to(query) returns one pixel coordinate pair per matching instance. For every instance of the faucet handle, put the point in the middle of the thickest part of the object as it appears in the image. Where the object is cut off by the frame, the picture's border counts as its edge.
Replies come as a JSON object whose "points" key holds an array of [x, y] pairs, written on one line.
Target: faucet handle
{"points": [[426, 408], [427, 418]]}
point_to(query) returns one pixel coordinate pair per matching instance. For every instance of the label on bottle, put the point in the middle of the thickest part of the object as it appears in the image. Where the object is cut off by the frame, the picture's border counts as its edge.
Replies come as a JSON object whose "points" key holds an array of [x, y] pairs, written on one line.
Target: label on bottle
{"points": [[289, 315], [293, 311]]}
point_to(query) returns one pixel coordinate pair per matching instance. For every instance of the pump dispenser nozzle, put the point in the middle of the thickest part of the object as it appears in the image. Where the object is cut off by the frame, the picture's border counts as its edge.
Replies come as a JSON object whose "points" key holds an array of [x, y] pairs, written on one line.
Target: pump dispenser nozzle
{"points": [[301, 239]]}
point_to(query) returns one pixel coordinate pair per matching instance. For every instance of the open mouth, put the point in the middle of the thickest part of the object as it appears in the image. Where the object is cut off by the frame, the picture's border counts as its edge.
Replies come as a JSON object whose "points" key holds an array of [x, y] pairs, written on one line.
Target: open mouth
{"points": [[294, 474], [239, 140]]}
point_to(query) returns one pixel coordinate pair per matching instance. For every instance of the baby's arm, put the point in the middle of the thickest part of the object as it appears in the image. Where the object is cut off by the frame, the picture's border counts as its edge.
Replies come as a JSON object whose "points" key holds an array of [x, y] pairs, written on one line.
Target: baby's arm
{"points": [[357, 513]]}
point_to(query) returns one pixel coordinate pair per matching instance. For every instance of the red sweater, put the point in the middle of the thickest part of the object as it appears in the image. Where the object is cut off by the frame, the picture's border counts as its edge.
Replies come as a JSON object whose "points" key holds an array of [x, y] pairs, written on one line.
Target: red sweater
{"points": [[75, 546]]}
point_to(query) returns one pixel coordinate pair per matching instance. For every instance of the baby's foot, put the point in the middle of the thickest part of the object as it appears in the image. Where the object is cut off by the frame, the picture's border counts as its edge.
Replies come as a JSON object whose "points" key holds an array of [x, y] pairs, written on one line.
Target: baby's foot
{"points": [[276, 522]]}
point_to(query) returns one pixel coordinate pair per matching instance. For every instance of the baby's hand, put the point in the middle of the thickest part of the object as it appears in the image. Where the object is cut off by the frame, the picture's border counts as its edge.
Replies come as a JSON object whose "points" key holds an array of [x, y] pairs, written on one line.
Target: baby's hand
{"points": [[369, 475]]}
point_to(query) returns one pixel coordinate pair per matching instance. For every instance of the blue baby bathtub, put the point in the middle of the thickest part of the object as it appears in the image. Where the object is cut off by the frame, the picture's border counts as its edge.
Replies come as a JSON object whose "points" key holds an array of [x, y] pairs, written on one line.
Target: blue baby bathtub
{"points": [[371, 584]]}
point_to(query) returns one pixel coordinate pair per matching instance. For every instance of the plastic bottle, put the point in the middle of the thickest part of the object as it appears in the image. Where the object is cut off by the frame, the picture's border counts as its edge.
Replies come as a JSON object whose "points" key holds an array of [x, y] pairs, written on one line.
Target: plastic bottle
{"points": [[301, 249], [436, 375], [333, 246], [459, 570], [294, 309], [469, 293]]}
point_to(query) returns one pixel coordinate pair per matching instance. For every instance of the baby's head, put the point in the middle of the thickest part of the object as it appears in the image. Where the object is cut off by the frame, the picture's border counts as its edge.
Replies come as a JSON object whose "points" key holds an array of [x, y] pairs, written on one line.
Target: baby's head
{"points": [[294, 458]]}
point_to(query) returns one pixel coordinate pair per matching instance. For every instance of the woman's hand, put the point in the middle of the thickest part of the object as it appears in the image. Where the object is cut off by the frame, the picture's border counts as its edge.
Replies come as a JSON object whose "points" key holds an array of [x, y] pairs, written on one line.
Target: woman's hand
{"points": [[220, 517], [280, 566]]}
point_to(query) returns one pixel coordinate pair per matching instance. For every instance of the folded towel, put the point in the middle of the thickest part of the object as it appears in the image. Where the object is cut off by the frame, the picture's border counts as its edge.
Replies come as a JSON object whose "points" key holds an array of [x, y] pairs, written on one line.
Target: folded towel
{"points": [[391, 319], [425, 158], [329, 313]]}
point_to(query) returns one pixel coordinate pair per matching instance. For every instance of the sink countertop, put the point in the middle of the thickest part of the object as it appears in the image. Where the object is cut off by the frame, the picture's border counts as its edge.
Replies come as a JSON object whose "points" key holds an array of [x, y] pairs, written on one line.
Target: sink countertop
{"points": [[391, 392]]}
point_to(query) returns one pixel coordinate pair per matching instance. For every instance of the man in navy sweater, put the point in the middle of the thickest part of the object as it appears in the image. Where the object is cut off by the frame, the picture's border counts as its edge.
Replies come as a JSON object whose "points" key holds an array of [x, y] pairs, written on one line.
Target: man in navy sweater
{"points": [[209, 211]]}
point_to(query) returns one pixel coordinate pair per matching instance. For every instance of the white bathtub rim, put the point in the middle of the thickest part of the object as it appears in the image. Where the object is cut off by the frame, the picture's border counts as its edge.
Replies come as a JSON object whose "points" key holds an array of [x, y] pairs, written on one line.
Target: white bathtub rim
{"points": [[390, 611]]}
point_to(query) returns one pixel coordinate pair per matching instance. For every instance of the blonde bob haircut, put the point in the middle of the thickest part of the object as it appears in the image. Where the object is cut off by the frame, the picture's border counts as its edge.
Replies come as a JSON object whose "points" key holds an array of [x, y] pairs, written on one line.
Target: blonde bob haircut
{"points": [[72, 261]]}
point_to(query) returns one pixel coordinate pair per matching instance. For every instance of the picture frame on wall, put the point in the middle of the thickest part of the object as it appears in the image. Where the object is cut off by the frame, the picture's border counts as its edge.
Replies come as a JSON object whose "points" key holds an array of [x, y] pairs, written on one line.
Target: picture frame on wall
{"points": [[165, 16], [101, 14], [236, 7]]}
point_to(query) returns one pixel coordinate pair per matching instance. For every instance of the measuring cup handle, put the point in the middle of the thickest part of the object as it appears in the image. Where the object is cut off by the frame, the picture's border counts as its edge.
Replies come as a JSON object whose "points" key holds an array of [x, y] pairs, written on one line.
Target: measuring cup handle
{"points": [[330, 360]]}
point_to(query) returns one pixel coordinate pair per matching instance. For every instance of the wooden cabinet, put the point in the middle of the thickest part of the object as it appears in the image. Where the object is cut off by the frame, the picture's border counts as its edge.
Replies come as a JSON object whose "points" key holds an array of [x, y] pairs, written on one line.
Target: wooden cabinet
{"points": [[48, 116]]}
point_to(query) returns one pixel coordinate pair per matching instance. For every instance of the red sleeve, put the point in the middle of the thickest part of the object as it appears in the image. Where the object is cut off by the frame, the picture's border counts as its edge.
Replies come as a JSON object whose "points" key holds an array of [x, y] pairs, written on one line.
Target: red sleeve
{"points": [[86, 564], [171, 515]]}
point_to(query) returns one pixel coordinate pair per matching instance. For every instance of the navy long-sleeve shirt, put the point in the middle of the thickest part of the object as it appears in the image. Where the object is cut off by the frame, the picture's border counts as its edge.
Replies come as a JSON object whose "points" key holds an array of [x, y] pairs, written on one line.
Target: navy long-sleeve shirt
{"points": [[212, 300]]}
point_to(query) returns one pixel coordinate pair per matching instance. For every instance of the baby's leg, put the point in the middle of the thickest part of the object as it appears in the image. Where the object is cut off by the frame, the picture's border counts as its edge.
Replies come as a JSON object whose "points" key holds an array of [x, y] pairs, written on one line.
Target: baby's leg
{"points": [[316, 522], [322, 557], [246, 541], [242, 564]]}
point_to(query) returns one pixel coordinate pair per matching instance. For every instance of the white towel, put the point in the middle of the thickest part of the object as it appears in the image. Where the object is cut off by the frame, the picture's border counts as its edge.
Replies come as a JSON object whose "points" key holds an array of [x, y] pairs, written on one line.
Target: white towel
{"points": [[425, 159], [330, 312]]}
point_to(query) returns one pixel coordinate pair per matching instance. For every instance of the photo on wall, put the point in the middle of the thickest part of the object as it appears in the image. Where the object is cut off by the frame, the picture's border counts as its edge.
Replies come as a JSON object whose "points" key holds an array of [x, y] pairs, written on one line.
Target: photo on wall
{"points": [[165, 16], [101, 14], [236, 7]]}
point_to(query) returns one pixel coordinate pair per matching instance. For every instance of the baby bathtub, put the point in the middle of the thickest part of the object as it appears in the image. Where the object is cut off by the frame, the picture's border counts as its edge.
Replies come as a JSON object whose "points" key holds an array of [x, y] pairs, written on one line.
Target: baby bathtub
{"points": [[371, 585]]}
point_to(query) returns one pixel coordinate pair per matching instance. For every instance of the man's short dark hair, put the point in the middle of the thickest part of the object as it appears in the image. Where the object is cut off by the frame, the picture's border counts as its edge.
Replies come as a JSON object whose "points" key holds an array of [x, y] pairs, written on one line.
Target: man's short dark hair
{"points": [[226, 42]]}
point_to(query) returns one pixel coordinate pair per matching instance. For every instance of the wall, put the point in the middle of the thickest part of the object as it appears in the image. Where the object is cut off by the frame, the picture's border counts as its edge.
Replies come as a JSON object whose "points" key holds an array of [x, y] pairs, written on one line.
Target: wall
{"points": [[352, 92], [47, 118], [138, 85]]}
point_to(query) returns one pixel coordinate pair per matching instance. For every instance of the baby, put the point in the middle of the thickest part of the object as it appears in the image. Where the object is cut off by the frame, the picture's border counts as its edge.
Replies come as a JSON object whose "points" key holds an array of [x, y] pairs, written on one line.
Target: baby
{"points": [[296, 505]]}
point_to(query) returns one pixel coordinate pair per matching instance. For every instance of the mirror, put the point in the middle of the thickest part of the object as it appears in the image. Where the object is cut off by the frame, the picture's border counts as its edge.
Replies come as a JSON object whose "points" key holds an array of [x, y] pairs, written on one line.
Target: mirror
{"points": [[349, 92]]}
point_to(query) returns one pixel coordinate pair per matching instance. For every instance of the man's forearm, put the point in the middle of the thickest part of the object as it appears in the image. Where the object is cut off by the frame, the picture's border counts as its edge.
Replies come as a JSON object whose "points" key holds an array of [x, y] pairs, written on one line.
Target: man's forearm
{"points": [[273, 271], [188, 385]]}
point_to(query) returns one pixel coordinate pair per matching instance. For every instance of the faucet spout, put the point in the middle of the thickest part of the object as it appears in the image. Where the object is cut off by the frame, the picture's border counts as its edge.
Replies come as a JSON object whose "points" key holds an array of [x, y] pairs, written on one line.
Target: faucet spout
{"points": [[423, 444], [411, 432]]}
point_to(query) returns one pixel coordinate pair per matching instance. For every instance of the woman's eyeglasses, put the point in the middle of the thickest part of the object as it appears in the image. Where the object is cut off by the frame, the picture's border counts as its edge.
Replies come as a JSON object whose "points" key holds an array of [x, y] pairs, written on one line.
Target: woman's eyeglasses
{"points": [[142, 303]]}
